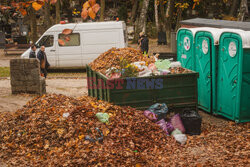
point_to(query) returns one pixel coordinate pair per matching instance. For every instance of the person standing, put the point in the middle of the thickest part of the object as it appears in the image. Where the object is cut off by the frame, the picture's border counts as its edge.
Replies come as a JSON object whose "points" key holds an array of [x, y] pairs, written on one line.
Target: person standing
{"points": [[143, 43], [44, 64], [33, 52]]}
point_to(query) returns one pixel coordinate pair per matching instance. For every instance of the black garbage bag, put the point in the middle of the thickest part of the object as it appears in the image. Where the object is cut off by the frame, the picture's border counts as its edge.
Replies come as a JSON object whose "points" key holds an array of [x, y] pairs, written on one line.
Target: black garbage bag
{"points": [[191, 121]]}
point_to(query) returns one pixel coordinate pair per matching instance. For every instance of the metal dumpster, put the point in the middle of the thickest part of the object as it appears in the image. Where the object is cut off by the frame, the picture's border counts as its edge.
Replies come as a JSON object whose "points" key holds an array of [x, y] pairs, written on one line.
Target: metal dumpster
{"points": [[178, 91], [233, 81]]}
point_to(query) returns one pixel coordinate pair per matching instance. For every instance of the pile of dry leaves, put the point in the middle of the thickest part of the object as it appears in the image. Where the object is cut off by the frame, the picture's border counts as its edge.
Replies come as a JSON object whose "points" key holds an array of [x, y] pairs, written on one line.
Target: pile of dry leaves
{"points": [[112, 58], [51, 131]]}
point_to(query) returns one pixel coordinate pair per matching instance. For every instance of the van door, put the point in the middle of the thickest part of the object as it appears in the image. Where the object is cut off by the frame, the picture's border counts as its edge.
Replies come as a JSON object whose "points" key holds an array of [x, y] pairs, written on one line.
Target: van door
{"points": [[48, 41], [69, 50]]}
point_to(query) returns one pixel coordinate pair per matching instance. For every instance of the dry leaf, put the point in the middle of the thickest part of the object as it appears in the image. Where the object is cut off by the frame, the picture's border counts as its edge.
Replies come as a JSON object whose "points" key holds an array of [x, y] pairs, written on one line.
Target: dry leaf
{"points": [[67, 31], [96, 8], [61, 42], [86, 5], [91, 13], [92, 2], [37, 6], [84, 14]]}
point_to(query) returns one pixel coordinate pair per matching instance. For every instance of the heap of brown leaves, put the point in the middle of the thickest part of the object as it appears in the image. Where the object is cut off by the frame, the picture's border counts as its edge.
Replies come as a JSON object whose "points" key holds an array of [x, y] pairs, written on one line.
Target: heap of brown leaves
{"points": [[39, 135], [112, 58]]}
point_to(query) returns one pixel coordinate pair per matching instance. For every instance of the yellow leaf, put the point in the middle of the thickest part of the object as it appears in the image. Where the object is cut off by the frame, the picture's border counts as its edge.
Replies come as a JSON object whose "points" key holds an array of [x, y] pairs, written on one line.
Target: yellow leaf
{"points": [[81, 137], [37, 6]]}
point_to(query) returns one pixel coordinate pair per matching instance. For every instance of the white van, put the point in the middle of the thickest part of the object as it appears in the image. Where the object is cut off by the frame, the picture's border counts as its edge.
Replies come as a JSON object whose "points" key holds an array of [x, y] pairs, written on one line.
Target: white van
{"points": [[87, 42]]}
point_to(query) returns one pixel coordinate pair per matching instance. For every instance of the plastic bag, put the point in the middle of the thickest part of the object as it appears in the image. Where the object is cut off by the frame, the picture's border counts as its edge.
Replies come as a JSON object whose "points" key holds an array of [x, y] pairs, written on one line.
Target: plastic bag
{"points": [[176, 132], [160, 110], [151, 116], [145, 73], [163, 125], [175, 64], [177, 123], [152, 67], [103, 117], [162, 64], [164, 72], [141, 65], [169, 127], [181, 138]]}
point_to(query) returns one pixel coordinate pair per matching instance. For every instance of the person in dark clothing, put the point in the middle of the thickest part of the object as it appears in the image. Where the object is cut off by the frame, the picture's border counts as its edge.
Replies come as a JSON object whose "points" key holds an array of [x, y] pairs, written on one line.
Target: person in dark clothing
{"points": [[33, 52], [143, 43], [44, 64]]}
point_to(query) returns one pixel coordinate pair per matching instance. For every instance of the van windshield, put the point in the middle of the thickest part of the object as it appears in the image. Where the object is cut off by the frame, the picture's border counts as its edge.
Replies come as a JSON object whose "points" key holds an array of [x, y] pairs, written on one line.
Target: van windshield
{"points": [[47, 41]]}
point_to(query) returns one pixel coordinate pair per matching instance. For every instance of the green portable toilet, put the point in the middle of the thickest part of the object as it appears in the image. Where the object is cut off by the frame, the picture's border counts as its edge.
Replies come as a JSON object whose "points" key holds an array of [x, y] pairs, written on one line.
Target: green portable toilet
{"points": [[205, 62], [185, 47], [233, 78]]}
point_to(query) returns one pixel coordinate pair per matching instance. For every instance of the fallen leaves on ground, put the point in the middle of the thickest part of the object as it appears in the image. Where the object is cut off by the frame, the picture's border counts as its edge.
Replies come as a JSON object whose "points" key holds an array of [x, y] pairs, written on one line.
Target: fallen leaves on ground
{"points": [[51, 130], [112, 58]]}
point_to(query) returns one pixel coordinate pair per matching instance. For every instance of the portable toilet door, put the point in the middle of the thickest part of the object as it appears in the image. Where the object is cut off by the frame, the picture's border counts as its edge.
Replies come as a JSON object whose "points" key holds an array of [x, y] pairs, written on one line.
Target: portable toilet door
{"points": [[185, 46], [185, 51], [233, 80], [206, 51]]}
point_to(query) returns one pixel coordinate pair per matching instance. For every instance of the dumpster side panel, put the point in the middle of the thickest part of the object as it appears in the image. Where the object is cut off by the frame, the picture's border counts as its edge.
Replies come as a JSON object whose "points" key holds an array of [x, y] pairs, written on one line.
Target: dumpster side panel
{"points": [[177, 91], [244, 115]]}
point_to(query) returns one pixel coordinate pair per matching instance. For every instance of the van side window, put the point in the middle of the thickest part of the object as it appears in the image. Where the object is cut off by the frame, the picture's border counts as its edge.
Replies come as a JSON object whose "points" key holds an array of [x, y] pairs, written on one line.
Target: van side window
{"points": [[69, 40], [47, 41]]}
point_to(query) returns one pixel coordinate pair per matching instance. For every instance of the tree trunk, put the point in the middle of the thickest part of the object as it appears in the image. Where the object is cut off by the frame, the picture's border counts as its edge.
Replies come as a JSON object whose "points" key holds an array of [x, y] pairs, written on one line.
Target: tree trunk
{"points": [[169, 16], [58, 16], [102, 10], [156, 16], [233, 7], [179, 18], [162, 13], [47, 19], [142, 19], [243, 10], [33, 25], [134, 11]]}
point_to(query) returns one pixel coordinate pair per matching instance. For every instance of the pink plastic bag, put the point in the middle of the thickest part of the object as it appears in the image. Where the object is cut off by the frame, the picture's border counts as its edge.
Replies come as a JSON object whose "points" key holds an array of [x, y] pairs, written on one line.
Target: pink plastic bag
{"points": [[152, 67], [163, 125], [170, 127], [151, 116], [177, 123]]}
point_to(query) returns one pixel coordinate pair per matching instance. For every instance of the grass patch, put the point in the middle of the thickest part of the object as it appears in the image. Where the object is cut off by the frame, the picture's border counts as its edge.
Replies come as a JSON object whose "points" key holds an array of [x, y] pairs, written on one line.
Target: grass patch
{"points": [[4, 71]]}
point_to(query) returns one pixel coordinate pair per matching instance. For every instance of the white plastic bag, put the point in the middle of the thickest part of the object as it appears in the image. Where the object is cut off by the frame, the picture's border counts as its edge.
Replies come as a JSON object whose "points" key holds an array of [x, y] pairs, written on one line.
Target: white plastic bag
{"points": [[181, 138], [175, 64]]}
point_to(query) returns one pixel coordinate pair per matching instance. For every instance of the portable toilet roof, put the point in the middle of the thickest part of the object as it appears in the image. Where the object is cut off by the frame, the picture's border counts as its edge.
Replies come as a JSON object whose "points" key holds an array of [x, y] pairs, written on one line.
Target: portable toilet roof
{"points": [[200, 22], [245, 36]]}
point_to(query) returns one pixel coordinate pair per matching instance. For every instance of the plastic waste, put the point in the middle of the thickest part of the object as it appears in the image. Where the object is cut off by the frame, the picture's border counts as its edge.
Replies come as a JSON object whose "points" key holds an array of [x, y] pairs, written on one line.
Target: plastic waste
{"points": [[145, 73], [175, 64], [150, 115], [103, 117], [160, 110], [169, 127], [181, 138], [99, 139], [163, 125], [115, 75], [176, 132], [152, 67], [65, 115], [177, 123], [164, 72], [141, 65], [162, 64]]}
